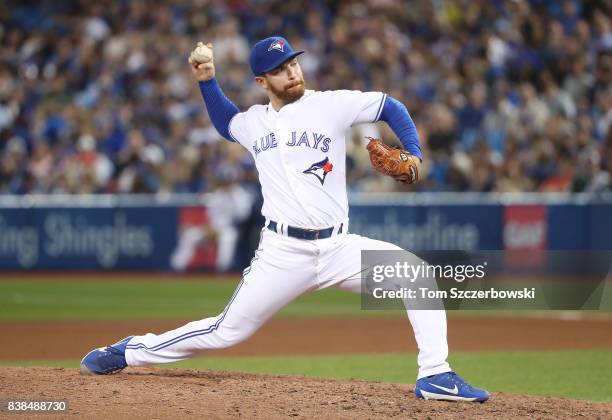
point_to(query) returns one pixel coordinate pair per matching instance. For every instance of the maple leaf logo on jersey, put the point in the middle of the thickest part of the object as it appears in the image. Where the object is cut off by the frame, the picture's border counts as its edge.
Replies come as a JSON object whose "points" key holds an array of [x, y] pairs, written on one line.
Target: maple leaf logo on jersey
{"points": [[320, 169], [277, 45]]}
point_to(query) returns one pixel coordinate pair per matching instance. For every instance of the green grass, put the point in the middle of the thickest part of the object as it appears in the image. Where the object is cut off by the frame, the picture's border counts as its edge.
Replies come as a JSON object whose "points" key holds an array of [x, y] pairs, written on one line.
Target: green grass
{"points": [[95, 299], [123, 298], [583, 374]]}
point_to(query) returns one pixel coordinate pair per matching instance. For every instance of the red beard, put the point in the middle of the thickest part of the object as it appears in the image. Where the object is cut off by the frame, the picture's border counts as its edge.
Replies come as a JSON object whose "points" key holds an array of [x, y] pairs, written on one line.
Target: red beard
{"points": [[291, 92]]}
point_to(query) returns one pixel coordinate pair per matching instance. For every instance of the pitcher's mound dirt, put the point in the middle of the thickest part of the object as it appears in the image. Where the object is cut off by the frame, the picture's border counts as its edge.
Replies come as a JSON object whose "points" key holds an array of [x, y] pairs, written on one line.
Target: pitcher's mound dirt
{"points": [[177, 393]]}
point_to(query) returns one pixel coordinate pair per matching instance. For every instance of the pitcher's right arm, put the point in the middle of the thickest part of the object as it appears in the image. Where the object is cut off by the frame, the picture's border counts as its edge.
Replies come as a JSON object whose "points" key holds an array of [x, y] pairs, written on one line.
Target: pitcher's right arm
{"points": [[220, 109]]}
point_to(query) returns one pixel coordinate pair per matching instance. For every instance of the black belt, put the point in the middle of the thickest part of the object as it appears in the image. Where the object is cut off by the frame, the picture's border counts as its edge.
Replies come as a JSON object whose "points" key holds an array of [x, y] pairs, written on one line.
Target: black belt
{"points": [[308, 234]]}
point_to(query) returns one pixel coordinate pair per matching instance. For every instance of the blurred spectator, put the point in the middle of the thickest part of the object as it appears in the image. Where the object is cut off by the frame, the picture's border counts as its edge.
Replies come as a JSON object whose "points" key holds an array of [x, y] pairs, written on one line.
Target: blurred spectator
{"points": [[228, 206]]}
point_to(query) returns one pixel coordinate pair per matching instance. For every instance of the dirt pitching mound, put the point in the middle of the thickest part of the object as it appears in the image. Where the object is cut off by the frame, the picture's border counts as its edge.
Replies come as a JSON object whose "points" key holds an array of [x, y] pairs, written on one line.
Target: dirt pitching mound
{"points": [[178, 393]]}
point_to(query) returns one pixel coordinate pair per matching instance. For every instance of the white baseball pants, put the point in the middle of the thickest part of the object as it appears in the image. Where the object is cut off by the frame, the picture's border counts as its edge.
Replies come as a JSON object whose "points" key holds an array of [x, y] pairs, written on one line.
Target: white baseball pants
{"points": [[283, 269]]}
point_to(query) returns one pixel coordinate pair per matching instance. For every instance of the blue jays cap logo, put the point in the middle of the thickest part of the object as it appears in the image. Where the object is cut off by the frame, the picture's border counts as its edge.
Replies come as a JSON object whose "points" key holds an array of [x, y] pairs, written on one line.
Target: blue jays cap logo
{"points": [[320, 169], [270, 53], [278, 45]]}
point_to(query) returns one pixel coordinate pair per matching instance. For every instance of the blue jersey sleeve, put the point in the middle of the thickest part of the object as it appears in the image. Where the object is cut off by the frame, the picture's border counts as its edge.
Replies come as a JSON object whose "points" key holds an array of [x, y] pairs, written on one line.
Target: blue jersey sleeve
{"points": [[220, 109], [395, 114]]}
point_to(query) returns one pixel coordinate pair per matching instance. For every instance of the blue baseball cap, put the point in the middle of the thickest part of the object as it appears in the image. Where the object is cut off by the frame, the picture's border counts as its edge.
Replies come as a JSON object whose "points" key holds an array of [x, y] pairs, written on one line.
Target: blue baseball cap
{"points": [[270, 53]]}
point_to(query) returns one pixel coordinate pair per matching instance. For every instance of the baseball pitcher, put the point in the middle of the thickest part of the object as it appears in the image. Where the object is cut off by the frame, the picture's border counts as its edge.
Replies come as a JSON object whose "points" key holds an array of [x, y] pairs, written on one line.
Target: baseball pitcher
{"points": [[298, 143]]}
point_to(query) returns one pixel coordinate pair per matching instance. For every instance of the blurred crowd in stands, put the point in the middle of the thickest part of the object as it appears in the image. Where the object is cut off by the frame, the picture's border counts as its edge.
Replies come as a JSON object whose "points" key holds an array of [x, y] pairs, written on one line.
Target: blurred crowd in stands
{"points": [[97, 96]]}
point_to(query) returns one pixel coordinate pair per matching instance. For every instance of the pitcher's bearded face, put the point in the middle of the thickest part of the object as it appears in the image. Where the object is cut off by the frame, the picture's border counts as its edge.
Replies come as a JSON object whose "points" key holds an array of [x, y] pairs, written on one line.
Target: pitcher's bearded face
{"points": [[286, 82], [291, 92]]}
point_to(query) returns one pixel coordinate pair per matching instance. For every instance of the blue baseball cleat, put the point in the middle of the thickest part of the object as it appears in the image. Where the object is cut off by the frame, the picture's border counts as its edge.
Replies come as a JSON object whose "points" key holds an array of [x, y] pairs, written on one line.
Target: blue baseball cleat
{"points": [[450, 387], [106, 360]]}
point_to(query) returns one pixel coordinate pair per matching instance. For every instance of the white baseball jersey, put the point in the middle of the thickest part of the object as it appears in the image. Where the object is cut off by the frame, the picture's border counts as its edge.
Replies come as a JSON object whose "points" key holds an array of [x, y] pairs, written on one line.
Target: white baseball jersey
{"points": [[300, 153]]}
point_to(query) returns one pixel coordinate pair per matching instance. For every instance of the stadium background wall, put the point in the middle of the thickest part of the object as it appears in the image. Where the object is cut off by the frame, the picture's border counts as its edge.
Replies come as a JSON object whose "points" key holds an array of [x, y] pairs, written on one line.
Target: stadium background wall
{"points": [[141, 232]]}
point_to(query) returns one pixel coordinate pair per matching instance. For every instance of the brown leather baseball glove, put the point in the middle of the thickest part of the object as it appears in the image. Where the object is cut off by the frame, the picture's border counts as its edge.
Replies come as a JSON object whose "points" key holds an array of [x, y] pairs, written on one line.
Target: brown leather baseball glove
{"points": [[396, 163]]}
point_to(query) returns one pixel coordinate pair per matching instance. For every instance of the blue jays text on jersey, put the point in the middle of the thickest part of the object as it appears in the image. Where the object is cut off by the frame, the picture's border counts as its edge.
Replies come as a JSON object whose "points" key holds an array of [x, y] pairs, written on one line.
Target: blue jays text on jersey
{"points": [[314, 141], [290, 146]]}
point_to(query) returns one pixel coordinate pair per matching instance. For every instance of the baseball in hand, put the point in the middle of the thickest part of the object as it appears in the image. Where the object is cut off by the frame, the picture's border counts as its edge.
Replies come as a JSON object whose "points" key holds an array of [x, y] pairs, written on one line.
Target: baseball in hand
{"points": [[202, 54]]}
